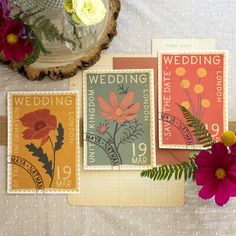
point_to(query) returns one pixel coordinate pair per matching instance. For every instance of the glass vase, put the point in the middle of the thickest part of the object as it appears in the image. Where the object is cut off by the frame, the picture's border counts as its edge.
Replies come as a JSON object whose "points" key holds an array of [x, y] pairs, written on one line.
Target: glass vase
{"points": [[49, 7], [83, 36]]}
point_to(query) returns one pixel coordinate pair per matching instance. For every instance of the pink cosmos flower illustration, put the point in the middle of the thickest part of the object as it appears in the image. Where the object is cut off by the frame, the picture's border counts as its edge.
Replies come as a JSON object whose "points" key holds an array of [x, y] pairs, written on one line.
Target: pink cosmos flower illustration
{"points": [[39, 123], [102, 129], [119, 111], [217, 174]]}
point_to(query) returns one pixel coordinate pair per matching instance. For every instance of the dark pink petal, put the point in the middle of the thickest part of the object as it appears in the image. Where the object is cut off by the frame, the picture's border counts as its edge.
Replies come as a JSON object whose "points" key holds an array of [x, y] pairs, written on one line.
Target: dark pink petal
{"points": [[15, 27], [204, 175], [219, 151], [229, 162], [2, 38], [8, 52], [231, 173], [19, 54], [233, 149], [208, 191], [28, 48], [205, 158], [222, 196], [229, 186]]}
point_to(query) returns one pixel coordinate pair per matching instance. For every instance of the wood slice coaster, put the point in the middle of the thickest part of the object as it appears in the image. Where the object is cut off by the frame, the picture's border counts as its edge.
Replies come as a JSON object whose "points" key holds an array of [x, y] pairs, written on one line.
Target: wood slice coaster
{"points": [[62, 63]]}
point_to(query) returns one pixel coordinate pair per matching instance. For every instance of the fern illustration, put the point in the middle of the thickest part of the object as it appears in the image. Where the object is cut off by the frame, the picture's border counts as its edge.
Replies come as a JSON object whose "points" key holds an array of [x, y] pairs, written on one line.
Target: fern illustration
{"points": [[166, 172], [199, 129], [133, 131]]}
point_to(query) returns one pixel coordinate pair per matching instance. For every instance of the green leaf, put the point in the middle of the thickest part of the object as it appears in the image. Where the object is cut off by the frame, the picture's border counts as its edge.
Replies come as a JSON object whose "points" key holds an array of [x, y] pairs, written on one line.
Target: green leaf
{"points": [[166, 172], [42, 157], [42, 27], [199, 129], [60, 137]]}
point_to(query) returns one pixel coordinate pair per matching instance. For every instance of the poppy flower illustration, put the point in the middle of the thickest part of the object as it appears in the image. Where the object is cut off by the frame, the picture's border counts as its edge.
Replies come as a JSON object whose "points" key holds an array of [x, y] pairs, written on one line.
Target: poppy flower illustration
{"points": [[216, 173], [119, 111], [39, 124], [15, 47]]}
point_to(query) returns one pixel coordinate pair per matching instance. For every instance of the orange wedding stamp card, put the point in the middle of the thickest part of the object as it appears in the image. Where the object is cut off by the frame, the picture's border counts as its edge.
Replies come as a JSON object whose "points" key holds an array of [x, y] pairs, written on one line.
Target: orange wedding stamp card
{"points": [[43, 142], [197, 81]]}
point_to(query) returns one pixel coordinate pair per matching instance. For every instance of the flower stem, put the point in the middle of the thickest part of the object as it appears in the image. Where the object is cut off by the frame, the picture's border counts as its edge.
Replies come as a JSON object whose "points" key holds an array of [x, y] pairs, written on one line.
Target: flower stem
{"points": [[54, 161], [114, 141]]}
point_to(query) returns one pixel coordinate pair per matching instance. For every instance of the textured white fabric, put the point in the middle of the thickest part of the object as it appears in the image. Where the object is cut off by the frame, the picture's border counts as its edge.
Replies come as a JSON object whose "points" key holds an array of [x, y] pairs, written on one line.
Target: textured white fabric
{"points": [[139, 22]]}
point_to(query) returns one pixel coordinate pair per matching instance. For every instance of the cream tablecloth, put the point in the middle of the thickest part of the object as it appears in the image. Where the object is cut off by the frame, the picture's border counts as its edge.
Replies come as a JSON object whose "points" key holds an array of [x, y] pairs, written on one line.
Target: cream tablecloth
{"points": [[139, 22]]}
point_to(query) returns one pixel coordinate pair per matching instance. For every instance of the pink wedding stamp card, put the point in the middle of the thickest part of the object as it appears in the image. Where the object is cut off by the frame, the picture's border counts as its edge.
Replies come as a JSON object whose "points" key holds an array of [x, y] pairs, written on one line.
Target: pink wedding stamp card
{"points": [[197, 81]]}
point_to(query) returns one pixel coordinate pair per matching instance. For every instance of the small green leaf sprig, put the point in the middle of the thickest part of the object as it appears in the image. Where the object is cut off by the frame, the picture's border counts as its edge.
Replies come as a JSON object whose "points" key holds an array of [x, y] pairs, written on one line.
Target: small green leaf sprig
{"points": [[185, 169]]}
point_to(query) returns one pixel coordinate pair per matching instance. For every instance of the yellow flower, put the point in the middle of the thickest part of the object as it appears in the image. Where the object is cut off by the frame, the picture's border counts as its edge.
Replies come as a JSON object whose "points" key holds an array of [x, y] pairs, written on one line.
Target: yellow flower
{"points": [[185, 84], [205, 103], [198, 89], [180, 71], [228, 138], [201, 72], [89, 12]]}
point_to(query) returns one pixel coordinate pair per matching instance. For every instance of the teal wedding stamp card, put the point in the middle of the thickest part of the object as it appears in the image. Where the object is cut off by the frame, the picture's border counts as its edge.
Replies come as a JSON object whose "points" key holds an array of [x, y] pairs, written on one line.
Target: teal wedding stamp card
{"points": [[118, 120]]}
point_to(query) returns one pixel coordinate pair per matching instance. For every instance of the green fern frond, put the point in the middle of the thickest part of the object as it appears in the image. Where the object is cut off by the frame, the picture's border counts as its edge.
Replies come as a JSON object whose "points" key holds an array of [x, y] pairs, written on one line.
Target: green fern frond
{"points": [[199, 129], [42, 27], [166, 172]]}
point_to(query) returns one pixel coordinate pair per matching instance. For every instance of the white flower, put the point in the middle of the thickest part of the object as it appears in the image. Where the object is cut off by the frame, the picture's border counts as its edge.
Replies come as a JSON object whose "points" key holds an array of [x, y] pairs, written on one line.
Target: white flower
{"points": [[88, 12]]}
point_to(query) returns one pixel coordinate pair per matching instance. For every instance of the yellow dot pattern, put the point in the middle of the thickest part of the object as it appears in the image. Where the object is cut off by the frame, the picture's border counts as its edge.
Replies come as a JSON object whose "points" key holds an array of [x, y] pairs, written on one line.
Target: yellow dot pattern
{"points": [[205, 103], [180, 71], [201, 72], [198, 89], [185, 84]]}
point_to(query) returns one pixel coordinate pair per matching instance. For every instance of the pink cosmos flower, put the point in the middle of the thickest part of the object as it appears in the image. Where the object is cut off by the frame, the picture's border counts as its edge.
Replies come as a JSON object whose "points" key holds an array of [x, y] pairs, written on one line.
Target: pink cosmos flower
{"points": [[119, 111], [217, 174], [15, 47], [102, 129]]}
